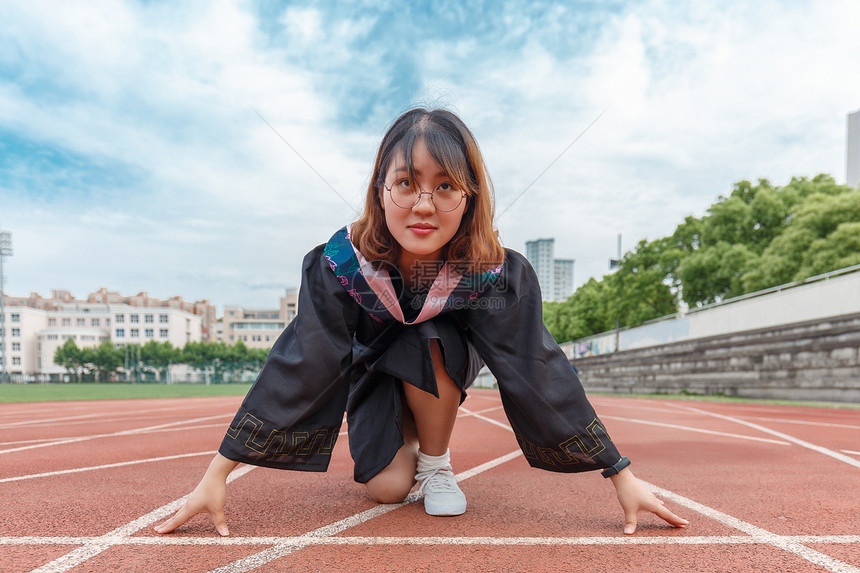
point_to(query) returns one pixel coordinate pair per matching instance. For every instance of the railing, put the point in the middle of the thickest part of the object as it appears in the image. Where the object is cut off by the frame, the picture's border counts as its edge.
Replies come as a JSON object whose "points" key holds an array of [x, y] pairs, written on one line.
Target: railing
{"points": [[589, 341]]}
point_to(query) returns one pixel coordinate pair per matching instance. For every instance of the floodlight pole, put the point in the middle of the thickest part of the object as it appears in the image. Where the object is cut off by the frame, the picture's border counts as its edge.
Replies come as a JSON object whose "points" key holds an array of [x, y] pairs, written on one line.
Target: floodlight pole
{"points": [[5, 251]]}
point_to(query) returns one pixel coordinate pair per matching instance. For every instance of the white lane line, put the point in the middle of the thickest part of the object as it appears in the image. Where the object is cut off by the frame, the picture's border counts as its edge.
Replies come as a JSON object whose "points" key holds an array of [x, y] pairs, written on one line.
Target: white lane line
{"points": [[61, 441], [647, 422], [799, 442], [32, 422], [461, 413], [691, 429], [465, 412], [488, 465], [81, 417], [804, 422], [51, 443], [606, 404], [851, 453], [19, 442], [121, 535], [528, 541], [283, 548], [105, 466], [757, 532], [486, 419], [126, 419], [195, 427], [173, 424]]}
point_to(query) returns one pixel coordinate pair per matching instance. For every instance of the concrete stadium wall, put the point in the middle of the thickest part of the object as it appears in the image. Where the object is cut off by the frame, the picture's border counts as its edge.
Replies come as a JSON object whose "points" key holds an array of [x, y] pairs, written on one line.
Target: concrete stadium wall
{"points": [[797, 302], [811, 360]]}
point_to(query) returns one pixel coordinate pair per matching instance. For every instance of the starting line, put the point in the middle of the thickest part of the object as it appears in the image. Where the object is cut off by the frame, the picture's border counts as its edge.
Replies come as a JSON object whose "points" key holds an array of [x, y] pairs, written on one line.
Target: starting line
{"points": [[519, 541]]}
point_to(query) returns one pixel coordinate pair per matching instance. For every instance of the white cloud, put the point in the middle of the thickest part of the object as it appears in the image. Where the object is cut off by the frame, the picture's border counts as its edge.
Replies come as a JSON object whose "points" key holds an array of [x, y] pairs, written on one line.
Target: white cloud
{"points": [[213, 204]]}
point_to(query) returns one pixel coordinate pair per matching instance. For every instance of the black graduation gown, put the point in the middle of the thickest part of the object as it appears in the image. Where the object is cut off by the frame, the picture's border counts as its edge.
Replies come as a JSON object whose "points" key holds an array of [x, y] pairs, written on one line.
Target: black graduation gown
{"points": [[334, 357]]}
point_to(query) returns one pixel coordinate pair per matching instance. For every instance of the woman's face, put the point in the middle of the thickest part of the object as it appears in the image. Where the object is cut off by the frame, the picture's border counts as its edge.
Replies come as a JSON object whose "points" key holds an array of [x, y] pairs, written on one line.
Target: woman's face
{"points": [[422, 231]]}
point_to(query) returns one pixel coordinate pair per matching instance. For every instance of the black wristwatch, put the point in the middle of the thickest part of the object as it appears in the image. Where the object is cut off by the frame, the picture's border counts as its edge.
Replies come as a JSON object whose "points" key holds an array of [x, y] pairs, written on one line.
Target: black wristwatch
{"points": [[620, 465]]}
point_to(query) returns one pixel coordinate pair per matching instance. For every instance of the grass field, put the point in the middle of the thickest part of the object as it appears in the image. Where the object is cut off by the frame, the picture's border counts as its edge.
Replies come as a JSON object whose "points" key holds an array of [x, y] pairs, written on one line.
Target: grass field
{"points": [[120, 391], [86, 391]]}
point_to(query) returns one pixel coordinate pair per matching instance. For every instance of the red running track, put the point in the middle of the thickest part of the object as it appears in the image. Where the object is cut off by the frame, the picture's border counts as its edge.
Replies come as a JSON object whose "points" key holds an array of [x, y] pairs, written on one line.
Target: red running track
{"points": [[766, 488]]}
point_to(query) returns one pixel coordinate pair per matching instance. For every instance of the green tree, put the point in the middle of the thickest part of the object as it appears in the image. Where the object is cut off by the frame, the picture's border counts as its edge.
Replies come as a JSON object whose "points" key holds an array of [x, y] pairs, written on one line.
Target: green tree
{"points": [[88, 360], [640, 288], [585, 312], [70, 357], [838, 250], [106, 359], [814, 231], [714, 273], [221, 361], [157, 357]]}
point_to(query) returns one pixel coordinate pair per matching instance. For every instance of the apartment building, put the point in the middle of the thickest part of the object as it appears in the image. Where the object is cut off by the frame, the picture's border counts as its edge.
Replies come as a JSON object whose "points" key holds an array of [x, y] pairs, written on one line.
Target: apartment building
{"points": [[258, 328], [37, 326]]}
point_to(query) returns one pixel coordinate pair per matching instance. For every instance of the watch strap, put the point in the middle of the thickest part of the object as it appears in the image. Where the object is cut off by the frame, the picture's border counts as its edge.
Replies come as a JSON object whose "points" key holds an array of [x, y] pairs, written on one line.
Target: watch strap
{"points": [[617, 467]]}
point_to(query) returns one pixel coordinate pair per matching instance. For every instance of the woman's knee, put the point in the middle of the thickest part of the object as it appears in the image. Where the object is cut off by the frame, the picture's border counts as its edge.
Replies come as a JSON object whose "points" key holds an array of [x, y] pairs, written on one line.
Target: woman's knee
{"points": [[394, 483], [389, 488]]}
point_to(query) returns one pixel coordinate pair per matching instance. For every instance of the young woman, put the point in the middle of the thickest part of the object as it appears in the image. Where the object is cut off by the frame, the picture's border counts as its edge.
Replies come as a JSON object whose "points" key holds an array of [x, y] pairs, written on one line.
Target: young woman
{"points": [[397, 314]]}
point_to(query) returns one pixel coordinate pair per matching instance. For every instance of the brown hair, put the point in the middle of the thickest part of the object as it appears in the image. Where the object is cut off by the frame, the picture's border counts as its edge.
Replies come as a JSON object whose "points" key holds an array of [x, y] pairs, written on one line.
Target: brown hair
{"points": [[475, 246]]}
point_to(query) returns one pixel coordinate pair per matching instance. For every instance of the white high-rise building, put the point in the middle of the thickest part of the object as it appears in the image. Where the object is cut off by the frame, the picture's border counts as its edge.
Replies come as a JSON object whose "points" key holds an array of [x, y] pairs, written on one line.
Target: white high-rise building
{"points": [[539, 254], [852, 150], [563, 278], [555, 276]]}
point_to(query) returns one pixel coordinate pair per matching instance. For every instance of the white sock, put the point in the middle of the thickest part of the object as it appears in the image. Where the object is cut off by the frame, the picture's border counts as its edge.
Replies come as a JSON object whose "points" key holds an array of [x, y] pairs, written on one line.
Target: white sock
{"points": [[426, 463]]}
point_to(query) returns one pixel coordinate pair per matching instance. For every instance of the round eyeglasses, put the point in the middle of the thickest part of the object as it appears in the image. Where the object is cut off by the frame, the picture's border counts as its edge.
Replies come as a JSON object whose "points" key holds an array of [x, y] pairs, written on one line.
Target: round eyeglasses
{"points": [[445, 197]]}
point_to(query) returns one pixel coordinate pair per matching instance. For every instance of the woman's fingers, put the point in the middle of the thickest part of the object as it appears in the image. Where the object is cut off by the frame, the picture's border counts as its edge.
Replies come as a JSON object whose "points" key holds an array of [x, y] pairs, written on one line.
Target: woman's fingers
{"points": [[663, 513], [630, 517], [179, 518], [220, 522]]}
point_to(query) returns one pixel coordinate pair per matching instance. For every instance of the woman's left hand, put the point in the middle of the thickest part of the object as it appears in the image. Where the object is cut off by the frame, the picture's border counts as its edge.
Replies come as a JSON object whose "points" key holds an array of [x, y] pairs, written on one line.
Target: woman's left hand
{"points": [[635, 497]]}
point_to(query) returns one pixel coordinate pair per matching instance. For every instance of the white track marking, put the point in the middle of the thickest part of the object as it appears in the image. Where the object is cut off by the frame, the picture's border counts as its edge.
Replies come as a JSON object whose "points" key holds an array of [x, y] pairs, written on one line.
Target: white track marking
{"points": [[19, 442], [638, 407], [121, 535], [172, 424], [849, 452], [799, 442], [31, 422], [691, 429], [634, 406], [488, 465], [105, 420], [105, 466], [757, 532], [486, 419], [528, 541], [461, 413], [465, 412], [51, 443], [62, 441], [283, 548], [195, 427], [804, 422], [135, 415]]}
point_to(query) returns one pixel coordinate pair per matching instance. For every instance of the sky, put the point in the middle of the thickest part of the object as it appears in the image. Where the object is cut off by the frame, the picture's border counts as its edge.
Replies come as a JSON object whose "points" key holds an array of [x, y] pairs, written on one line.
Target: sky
{"points": [[202, 148]]}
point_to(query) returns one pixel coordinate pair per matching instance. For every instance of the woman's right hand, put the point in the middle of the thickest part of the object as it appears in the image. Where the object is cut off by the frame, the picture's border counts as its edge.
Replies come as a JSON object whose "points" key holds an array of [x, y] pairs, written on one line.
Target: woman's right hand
{"points": [[209, 497]]}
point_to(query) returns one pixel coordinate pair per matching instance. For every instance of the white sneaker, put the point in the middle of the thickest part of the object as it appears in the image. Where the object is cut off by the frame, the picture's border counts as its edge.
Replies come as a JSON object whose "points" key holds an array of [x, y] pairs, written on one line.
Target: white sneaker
{"points": [[442, 495]]}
